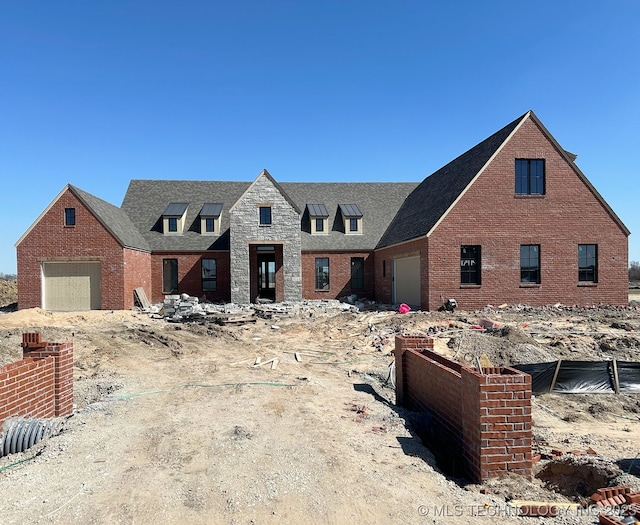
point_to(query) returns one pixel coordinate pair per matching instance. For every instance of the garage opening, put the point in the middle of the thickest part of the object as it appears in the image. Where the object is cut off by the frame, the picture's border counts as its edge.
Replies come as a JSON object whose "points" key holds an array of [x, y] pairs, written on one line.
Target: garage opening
{"points": [[406, 281], [71, 286]]}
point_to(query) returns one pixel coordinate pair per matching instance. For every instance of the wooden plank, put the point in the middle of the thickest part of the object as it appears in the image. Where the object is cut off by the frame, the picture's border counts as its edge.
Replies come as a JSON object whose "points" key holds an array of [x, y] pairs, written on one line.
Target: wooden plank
{"points": [[141, 296]]}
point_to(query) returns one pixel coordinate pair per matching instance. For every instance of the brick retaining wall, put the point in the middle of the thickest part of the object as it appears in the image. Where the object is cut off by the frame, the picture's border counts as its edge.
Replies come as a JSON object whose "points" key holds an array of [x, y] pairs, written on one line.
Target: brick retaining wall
{"points": [[41, 384], [479, 423]]}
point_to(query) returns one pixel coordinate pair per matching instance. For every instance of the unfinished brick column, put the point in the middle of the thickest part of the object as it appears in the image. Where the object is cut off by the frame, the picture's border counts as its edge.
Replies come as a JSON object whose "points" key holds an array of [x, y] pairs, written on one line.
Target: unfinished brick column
{"points": [[62, 354], [482, 419]]}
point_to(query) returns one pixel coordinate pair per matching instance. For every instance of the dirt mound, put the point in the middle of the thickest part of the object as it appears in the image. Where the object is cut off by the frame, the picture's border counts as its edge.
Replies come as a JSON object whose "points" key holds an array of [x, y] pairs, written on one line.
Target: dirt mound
{"points": [[8, 293]]}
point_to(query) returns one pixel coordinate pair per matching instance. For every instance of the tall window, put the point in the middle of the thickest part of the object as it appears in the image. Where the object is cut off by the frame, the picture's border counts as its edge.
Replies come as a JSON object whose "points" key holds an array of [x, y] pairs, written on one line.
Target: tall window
{"points": [[169, 275], [209, 275], [322, 273], [530, 264], [357, 273], [530, 176], [210, 224], [320, 225], [69, 216], [353, 225], [173, 224], [588, 263], [265, 215], [469, 264]]}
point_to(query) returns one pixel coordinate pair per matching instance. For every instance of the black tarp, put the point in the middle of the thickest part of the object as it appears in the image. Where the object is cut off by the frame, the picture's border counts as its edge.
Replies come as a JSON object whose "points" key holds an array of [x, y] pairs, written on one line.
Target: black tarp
{"points": [[583, 377], [629, 376], [541, 375]]}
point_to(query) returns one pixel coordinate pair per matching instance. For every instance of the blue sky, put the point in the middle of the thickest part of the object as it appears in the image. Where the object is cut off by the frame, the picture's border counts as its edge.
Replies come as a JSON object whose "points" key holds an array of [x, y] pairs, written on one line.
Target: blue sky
{"points": [[96, 93]]}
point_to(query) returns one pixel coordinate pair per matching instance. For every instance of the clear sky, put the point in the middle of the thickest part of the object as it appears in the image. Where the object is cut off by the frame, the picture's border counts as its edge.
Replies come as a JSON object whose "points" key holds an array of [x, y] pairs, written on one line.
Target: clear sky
{"points": [[96, 93]]}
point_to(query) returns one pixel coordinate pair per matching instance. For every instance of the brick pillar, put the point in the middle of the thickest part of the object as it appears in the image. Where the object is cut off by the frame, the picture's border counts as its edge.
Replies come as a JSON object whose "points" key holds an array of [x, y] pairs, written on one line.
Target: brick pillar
{"points": [[404, 343], [497, 422], [62, 354]]}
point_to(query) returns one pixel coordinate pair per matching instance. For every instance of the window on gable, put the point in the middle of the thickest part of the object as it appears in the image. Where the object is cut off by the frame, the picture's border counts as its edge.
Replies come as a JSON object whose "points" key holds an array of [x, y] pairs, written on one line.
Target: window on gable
{"points": [[209, 225], [322, 273], [173, 224], [588, 263], [470, 265], [265, 215], [357, 273], [69, 216], [209, 275], [169, 275], [353, 225], [530, 264], [530, 177], [319, 225]]}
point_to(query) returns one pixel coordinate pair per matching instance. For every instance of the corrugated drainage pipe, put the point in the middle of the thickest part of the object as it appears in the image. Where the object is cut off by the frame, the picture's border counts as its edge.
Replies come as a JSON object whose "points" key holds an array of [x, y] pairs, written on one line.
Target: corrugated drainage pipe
{"points": [[22, 434]]}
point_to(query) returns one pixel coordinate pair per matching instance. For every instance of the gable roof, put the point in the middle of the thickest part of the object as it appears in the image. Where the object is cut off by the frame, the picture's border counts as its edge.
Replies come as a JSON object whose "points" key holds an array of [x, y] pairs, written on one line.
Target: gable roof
{"points": [[434, 195], [570, 158], [267, 175], [114, 219]]}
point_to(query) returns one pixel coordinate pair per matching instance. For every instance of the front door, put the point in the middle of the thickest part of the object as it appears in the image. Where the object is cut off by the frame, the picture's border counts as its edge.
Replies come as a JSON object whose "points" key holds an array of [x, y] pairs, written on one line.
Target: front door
{"points": [[267, 276]]}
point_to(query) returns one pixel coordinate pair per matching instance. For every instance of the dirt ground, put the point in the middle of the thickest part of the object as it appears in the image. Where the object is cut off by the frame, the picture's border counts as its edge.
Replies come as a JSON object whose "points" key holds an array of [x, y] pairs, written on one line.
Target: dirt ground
{"points": [[173, 424]]}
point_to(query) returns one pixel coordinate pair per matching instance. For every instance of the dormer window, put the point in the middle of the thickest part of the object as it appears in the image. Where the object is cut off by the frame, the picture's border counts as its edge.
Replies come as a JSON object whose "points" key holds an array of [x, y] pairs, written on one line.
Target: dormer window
{"points": [[173, 218], [210, 218], [318, 215], [352, 217]]}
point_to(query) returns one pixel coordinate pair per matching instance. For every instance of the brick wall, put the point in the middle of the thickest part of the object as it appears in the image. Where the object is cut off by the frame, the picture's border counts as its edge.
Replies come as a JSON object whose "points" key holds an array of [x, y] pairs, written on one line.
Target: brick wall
{"points": [[479, 423], [41, 384], [384, 269], [339, 275], [137, 274], [190, 275], [489, 214], [51, 240]]}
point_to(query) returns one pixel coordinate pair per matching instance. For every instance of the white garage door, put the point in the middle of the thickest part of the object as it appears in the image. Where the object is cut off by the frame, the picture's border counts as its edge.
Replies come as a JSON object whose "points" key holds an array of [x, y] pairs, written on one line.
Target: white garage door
{"points": [[71, 286], [406, 279]]}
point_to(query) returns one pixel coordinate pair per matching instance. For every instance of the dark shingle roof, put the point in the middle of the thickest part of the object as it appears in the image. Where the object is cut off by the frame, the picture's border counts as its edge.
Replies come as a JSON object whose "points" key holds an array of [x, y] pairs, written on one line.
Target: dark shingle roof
{"points": [[377, 202], [114, 219], [435, 194], [145, 201]]}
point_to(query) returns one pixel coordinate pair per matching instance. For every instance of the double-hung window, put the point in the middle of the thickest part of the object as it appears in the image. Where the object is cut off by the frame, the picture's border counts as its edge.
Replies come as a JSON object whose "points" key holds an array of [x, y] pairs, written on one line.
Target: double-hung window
{"points": [[169, 275], [322, 273], [470, 264], [530, 177], [588, 263], [265, 215], [209, 275], [530, 264], [69, 216]]}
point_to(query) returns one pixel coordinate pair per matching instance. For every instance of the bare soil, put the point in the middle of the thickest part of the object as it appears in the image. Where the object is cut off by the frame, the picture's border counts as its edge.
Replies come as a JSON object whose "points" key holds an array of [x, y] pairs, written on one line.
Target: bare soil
{"points": [[174, 424]]}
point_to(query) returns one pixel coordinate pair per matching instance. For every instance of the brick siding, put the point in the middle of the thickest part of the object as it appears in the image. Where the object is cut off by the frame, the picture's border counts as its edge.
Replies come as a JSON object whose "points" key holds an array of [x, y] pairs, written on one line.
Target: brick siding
{"points": [[40, 385], [479, 423], [190, 275], [339, 275], [88, 240]]}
